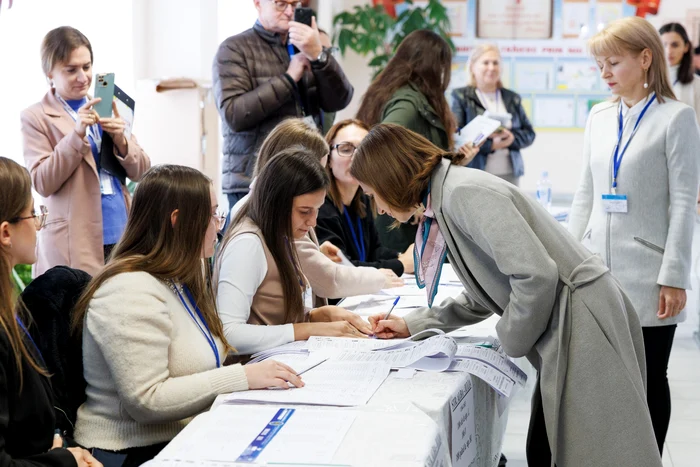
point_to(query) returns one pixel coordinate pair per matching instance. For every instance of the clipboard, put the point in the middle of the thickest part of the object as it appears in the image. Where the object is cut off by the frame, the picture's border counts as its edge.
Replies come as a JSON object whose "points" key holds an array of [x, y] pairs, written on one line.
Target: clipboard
{"points": [[108, 159]]}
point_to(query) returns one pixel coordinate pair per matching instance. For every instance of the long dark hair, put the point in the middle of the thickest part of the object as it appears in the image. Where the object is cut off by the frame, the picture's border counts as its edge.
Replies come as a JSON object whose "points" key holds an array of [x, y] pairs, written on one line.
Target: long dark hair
{"points": [[423, 59], [685, 70], [293, 172], [15, 197], [168, 252]]}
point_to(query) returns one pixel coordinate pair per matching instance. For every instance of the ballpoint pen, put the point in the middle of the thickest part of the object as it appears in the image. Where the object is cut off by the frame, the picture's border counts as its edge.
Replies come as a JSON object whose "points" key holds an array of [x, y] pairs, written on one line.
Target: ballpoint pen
{"points": [[311, 367], [392, 308]]}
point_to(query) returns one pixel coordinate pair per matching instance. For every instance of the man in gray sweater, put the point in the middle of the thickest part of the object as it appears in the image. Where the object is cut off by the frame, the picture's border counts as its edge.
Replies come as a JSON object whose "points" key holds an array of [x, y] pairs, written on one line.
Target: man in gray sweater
{"points": [[275, 70]]}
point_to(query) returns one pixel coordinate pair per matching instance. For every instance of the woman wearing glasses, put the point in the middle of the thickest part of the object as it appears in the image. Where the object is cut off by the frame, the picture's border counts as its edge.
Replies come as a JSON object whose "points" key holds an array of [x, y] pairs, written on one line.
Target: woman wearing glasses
{"points": [[345, 219], [27, 418], [64, 138]]}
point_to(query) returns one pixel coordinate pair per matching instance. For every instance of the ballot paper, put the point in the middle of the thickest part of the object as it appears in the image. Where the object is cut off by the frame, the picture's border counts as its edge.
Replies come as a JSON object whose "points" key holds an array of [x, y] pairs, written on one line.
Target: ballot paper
{"points": [[304, 436], [368, 305], [432, 354], [296, 347], [344, 259], [476, 131], [494, 378], [495, 359], [338, 383], [504, 118], [328, 344]]}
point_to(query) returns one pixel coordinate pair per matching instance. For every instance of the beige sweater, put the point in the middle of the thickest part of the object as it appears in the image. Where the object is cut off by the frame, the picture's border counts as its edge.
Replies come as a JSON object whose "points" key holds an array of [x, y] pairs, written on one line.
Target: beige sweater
{"points": [[148, 367]]}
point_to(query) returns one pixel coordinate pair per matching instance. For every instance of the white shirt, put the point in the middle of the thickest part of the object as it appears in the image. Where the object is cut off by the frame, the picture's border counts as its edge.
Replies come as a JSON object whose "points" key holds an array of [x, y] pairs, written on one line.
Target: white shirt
{"points": [[688, 93], [498, 162], [243, 269]]}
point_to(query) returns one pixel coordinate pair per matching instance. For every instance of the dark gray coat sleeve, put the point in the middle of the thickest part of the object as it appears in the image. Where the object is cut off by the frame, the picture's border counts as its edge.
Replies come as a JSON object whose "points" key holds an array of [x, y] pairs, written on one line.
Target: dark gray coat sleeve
{"points": [[240, 105], [334, 89]]}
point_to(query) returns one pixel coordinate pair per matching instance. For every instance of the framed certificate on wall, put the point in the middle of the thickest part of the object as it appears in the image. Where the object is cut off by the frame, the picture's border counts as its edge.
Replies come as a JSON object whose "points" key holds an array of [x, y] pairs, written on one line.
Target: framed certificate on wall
{"points": [[514, 19]]}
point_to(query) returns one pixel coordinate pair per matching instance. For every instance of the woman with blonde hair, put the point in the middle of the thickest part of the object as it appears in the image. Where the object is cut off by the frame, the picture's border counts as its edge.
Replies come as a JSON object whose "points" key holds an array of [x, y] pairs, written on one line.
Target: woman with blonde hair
{"points": [[485, 95], [153, 345], [558, 303], [636, 198]]}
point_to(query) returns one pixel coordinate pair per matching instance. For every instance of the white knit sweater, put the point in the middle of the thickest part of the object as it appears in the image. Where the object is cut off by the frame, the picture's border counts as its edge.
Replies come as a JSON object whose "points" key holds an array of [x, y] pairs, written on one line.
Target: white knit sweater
{"points": [[148, 367]]}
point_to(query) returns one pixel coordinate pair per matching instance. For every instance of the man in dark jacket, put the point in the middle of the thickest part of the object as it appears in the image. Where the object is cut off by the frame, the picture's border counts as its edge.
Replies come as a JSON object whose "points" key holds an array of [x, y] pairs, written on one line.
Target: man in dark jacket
{"points": [[275, 70]]}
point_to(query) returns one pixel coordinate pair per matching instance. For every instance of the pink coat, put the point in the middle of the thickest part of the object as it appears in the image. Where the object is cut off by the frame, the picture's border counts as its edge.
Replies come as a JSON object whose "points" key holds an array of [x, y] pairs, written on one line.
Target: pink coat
{"points": [[64, 173]]}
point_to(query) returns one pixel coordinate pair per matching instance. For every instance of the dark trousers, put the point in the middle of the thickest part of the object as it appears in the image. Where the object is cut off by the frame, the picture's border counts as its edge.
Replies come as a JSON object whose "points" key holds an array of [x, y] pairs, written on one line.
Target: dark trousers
{"points": [[658, 341], [537, 449], [132, 457]]}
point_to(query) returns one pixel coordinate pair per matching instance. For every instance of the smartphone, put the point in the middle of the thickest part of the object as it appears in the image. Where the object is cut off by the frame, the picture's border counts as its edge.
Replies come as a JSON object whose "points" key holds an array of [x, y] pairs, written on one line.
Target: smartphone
{"points": [[104, 88], [303, 15]]}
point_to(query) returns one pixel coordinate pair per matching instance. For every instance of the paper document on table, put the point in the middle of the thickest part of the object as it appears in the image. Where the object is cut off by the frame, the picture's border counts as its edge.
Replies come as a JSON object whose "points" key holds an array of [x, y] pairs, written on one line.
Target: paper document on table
{"points": [[306, 436], [300, 363], [338, 383], [296, 347], [326, 343], [497, 360], [432, 354], [368, 305], [476, 131], [494, 378]]}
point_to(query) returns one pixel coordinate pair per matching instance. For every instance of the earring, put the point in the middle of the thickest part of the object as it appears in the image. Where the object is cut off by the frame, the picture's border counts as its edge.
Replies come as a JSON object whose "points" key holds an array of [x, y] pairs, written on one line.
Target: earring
{"points": [[646, 85]]}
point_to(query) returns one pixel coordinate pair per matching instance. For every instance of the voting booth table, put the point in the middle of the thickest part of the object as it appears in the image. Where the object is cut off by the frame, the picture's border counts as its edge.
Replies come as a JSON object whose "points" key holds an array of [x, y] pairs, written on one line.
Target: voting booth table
{"points": [[365, 403]]}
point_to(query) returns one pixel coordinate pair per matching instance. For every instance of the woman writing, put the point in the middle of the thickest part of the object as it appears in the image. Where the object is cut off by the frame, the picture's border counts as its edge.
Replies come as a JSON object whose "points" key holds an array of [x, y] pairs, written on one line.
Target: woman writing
{"points": [[558, 304], [27, 417], [635, 203], [63, 138], [153, 344], [485, 95], [272, 302]]}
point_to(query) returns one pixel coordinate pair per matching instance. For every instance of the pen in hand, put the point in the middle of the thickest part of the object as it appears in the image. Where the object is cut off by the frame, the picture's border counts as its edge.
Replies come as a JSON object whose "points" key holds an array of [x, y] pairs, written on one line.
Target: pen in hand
{"points": [[392, 308]]}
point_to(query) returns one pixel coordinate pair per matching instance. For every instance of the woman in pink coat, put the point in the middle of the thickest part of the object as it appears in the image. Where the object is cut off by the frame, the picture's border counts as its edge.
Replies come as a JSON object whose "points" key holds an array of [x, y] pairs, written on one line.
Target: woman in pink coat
{"points": [[63, 137]]}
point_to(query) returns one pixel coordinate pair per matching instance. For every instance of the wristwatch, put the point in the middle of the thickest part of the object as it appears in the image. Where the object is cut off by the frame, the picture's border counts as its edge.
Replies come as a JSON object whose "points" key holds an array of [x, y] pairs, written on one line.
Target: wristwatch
{"points": [[321, 60]]}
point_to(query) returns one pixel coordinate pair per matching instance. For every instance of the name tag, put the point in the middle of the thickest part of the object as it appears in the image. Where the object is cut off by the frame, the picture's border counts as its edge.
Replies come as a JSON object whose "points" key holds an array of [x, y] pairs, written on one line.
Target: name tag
{"points": [[106, 187], [615, 203], [308, 300]]}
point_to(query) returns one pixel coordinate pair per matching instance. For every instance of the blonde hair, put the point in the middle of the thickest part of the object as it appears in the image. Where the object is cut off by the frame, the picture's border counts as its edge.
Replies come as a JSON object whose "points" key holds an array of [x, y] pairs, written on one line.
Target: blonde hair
{"points": [[476, 54], [631, 36]]}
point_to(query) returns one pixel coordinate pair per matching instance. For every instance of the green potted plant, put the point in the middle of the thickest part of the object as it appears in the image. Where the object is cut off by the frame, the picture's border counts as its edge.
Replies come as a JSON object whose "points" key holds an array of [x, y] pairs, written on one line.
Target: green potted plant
{"points": [[371, 31]]}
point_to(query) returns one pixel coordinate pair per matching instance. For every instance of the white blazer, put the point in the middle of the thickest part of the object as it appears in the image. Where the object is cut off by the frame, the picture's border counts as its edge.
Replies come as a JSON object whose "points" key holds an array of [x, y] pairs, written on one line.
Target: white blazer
{"points": [[650, 245]]}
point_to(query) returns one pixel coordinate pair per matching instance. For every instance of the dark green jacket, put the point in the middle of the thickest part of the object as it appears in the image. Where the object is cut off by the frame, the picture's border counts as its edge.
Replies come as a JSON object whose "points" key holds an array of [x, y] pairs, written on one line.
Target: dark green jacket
{"points": [[409, 108]]}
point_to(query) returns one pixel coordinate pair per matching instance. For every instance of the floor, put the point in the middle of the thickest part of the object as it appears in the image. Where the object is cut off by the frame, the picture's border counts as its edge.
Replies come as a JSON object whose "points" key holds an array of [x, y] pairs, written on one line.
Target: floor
{"points": [[682, 447]]}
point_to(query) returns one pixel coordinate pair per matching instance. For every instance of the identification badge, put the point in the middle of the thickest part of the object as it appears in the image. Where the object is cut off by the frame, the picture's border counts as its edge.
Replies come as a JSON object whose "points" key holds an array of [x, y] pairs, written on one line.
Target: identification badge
{"points": [[615, 203], [106, 187], [308, 300]]}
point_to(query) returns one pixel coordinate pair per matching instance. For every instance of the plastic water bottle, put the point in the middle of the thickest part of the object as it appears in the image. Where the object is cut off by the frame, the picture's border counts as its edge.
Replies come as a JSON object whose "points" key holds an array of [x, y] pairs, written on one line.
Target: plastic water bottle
{"points": [[544, 191]]}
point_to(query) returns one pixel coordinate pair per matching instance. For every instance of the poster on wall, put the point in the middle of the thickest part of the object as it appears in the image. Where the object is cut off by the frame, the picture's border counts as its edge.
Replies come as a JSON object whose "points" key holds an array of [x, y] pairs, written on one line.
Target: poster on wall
{"points": [[575, 14], [514, 19], [456, 12]]}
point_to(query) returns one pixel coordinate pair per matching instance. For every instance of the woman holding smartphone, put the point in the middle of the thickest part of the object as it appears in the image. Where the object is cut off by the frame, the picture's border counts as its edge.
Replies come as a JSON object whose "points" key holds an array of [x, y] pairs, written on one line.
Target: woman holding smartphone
{"points": [[63, 137]]}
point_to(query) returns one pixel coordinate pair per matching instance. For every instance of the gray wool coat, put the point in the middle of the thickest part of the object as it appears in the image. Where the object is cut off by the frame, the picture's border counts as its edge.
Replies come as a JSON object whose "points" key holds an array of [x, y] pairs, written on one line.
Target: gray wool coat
{"points": [[559, 306]]}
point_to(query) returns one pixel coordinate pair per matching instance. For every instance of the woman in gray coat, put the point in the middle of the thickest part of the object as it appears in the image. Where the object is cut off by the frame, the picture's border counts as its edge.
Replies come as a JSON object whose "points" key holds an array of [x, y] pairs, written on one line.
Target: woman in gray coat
{"points": [[645, 236], [558, 303]]}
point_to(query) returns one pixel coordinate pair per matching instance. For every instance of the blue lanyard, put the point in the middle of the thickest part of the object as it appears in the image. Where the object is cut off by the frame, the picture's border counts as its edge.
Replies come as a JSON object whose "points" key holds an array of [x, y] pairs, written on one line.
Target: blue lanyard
{"points": [[360, 246], [36, 347], [205, 330], [290, 50], [617, 160]]}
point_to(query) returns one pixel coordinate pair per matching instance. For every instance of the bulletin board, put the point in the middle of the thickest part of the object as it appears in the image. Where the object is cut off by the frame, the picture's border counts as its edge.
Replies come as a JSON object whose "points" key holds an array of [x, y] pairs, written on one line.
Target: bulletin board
{"points": [[558, 81]]}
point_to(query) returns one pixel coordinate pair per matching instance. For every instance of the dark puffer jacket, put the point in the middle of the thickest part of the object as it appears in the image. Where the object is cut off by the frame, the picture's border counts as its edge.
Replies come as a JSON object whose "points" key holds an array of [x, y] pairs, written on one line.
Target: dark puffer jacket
{"points": [[253, 95]]}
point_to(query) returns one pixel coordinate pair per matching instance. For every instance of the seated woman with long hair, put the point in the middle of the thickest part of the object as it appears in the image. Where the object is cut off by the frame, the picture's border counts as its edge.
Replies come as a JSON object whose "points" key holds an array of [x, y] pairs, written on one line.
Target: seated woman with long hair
{"points": [[270, 301], [27, 417], [153, 344]]}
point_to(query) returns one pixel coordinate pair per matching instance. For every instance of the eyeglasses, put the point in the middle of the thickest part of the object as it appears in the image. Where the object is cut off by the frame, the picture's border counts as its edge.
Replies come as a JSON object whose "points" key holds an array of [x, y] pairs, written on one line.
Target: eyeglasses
{"points": [[219, 219], [281, 5], [344, 149], [39, 219]]}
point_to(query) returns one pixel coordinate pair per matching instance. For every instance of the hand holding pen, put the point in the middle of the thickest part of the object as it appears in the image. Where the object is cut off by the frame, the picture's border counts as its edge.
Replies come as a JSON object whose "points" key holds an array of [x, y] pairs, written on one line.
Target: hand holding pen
{"points": [[386, 326]]}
